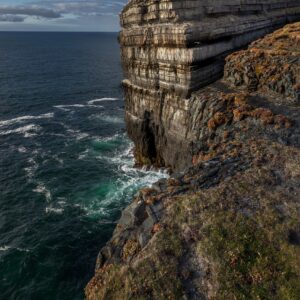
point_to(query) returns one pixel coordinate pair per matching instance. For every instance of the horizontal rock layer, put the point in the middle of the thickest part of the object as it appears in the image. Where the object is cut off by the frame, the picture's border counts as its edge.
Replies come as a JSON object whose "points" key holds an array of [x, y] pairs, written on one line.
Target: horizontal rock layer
{"points": [[170, 49], [228, 227]]}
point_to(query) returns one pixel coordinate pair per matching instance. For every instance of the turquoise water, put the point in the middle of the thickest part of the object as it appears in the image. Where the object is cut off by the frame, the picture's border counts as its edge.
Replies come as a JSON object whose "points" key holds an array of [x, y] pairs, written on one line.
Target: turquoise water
{"points": [[66, 164]]}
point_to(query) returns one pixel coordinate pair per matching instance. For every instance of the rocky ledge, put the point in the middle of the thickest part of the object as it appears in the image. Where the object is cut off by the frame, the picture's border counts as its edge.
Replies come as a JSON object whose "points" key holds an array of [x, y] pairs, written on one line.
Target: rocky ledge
{"points": [[228, 227]]}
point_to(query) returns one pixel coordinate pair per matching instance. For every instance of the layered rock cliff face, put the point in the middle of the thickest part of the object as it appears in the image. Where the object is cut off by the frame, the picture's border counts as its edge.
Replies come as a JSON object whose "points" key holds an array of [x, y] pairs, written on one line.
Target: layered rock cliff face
{"points": [[172, 48], [229, 226]]}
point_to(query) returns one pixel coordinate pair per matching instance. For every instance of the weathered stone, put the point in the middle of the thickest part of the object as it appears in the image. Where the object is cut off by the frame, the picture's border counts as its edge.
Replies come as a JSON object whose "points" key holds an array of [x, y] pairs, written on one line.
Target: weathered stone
{"points": [[228, 226], [171, 48], [133, 214]]}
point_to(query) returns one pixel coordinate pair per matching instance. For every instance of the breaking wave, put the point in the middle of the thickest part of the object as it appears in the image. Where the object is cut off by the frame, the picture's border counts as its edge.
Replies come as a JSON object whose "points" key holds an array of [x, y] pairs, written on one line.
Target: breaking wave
{"points": [[106, 198]]}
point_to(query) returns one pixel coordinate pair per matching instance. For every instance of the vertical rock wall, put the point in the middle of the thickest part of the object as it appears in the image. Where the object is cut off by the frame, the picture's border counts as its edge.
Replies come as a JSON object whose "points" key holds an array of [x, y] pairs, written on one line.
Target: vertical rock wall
{"points": [[172, 48]]}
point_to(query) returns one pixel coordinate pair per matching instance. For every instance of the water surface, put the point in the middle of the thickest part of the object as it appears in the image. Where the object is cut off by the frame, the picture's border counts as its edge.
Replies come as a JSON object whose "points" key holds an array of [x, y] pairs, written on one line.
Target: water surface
{"points": [[66, 165]]}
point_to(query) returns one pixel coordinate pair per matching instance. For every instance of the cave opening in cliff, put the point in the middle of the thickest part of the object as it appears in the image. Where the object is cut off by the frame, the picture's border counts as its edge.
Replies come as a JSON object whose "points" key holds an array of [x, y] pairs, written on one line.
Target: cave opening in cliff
{"points": [[149, 144]]}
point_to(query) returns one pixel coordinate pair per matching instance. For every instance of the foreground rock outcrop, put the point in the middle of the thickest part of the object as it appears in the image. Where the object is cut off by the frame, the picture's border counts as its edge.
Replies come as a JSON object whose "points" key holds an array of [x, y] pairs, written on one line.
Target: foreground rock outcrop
{"points": [[172, 48], [229, 226]]}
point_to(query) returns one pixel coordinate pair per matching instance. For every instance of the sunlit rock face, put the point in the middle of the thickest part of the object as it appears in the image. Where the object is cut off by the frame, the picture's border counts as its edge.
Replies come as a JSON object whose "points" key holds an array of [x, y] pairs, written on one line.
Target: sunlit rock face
{"points": [[171, 49]]}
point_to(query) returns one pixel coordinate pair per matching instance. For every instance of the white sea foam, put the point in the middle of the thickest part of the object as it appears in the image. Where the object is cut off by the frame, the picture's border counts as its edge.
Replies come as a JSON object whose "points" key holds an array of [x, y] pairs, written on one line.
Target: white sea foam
{"points": [[62, 201], [124, 190], [130, 179], [53, 210], [77, 134], [32, 168], [5, 248], [27, 131], [83, 155], [108, 119], [68, 108], [22, 149], [23, 249], [25, 118], [57, 158], [42, 189], [62, 107], [102, 100]]}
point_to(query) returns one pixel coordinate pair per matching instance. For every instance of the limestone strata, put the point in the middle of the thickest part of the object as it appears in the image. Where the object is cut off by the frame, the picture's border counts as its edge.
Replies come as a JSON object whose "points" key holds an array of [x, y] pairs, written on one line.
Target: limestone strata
{"points": [[229, 226], [172, 48]]}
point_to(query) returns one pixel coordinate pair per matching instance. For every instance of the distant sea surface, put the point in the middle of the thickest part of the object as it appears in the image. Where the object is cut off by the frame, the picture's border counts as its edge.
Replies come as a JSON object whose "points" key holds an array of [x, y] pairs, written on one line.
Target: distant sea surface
{"points": [[66, 164]]}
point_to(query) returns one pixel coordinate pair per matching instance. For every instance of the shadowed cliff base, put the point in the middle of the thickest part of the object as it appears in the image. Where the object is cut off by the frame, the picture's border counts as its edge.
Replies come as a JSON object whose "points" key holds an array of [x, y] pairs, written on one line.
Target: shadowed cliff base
{"points": [[228, 227]]}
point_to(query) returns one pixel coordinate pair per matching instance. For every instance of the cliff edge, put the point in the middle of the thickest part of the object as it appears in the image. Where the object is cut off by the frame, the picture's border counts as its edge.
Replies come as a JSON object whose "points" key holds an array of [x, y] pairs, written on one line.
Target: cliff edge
{"points": [[226, 225], [171, 49], [229, 226]]}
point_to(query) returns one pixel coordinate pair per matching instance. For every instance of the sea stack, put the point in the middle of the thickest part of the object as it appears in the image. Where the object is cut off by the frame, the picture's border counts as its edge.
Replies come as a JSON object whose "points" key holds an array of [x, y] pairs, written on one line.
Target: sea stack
{"points": [[212, 91]]}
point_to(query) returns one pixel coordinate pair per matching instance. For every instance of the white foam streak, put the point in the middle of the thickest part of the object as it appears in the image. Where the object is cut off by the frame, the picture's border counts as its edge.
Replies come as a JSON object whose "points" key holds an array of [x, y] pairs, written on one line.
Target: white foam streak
{"points": [[77, 134], [27, 131], [42, 189], [67, 108], [62, 107], [108, 119], [25, 118], [23, 249], [83, 155], [22, 149], [102, 100], [32, 168], [5, 248], [58, 211]]}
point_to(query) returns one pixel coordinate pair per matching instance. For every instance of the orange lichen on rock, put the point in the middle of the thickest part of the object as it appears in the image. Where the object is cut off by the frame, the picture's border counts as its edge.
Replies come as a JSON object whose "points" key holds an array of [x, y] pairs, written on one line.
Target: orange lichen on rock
{"points": [[156, 228], [147, 192], [217, 120], [130, 249], [202, 157], [240, 99], [265, 115], [269, 65], [151, 200]]}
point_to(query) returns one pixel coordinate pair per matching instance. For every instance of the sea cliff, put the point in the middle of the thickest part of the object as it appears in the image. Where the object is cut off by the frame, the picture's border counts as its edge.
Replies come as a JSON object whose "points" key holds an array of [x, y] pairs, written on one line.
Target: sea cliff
{"points": [[225, 225], [172, 48]]}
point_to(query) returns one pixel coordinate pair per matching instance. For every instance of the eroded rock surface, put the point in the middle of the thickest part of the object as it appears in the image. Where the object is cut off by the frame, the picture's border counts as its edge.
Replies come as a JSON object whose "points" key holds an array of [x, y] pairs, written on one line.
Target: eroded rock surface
{"points": [[172, 48], [229, 226]]}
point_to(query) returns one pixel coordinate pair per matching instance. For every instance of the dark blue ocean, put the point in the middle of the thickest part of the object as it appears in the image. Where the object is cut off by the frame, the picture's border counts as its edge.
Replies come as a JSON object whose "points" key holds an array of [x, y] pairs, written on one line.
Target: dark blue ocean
{"points": [[66, 164]]}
